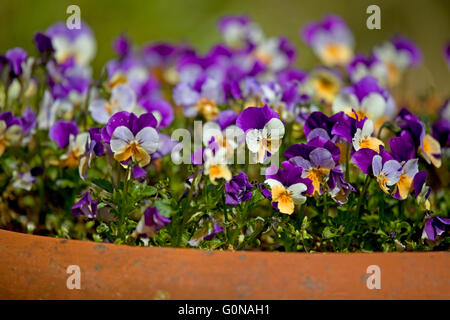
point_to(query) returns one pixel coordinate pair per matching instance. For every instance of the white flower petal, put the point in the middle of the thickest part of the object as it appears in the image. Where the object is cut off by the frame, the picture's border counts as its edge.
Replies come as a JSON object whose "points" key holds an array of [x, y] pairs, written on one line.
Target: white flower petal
{"points": [[273, 182], [148, 138], [274, 129], [253, 140], [374, 105], [120, 138]]}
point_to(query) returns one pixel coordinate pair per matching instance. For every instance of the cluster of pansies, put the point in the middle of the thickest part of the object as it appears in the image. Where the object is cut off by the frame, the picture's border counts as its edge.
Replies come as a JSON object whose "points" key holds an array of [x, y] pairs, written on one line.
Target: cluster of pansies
{"points": [[237, 148]]}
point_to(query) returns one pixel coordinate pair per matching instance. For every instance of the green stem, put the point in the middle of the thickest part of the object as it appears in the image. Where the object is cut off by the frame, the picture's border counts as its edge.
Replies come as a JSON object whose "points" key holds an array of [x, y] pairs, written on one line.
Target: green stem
{"points": [[347, 163], [124, 205], [183, 210]]}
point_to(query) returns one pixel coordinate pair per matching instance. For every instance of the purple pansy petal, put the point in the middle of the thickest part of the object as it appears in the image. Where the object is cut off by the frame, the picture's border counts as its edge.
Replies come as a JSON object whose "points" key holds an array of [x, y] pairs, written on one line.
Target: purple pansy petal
{"points": [[60, 132], [363, 159], [255, 117]]}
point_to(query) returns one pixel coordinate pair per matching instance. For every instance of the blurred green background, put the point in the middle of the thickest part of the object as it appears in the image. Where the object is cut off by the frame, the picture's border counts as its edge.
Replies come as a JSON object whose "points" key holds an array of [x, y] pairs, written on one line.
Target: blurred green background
{"points": [[425, 21]]}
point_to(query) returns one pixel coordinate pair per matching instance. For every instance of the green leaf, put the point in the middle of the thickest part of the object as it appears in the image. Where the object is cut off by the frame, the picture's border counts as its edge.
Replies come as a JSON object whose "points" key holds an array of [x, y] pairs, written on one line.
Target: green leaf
{"points": [[164, 207], [104, 184]]}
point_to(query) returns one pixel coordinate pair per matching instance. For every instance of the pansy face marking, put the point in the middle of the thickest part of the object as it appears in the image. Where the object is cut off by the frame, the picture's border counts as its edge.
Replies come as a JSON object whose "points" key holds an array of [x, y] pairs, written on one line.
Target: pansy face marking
{"points": [[363, 138], [387, 174], [288, 197], [267, 139], [125, 145]]}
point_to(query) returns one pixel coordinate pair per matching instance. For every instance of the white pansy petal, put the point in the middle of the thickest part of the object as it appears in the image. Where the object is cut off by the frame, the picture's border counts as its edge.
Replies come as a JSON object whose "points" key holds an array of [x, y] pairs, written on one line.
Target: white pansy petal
{"points": [[210, 130], [274, 129], [86, 48], [374, 105], [273, 182], [344, 102], [124, 96], [148, 139], [376, 165], [253, 139], [234, 136], [120, 138], [411, 168], [357, 139], [367, 129], [98, 111], [80, 141]]}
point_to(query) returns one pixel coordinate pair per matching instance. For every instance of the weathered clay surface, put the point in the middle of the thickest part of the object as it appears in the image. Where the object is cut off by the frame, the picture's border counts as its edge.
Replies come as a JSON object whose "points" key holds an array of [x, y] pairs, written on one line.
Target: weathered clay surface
{"points": [[34, 267]]}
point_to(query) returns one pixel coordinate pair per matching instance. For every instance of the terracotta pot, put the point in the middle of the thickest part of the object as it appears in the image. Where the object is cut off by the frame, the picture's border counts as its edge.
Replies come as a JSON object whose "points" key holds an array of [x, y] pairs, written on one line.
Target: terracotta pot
{"points": [[35, 267]]}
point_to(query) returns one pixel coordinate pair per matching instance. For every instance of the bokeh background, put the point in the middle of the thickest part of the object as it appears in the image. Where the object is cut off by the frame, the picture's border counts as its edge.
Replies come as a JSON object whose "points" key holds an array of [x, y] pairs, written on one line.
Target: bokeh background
{"points": [[425, 21]]}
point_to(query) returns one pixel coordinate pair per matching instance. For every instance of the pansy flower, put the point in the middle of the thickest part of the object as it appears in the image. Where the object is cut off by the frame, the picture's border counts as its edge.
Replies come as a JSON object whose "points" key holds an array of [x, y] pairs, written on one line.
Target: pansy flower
{"points": [[363, 138], [202, 97], [323, 84], [263, 129], [224, 132], [10, 131], [287, 187], [239, 31], [316, 167], [331, 40], [362, 66], [17, 58], [123, 98], [414, 129], [151, 222], [161, 109], [131, 137], [68, 80], [404, 184], [86, 207], [387, 174], [338, 188], [275, 54], [238, 190], [398, 54], [66, 135], [215, 163], [434, 227], [441, 132], [366, 97], [68, 43]]}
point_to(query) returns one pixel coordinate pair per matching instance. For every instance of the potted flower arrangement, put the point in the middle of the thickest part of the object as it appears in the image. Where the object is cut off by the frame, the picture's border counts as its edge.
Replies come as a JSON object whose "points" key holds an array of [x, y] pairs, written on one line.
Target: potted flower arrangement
{"points": [[233, 150]]}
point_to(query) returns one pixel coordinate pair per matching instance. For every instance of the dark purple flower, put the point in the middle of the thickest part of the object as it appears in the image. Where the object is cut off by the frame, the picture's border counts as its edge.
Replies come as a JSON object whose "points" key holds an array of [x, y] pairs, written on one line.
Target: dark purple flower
{"points": [[28, 121], [402, 148], [238, 190], [434, 227], [402, 43], [43, 43], [217, 228], [16, 58], [96, 144], [122, 46], [161, 109], [151, 222], [85, 207], [129, 120], [441, 132], [255, 118], [339, 188], [61, 131]]}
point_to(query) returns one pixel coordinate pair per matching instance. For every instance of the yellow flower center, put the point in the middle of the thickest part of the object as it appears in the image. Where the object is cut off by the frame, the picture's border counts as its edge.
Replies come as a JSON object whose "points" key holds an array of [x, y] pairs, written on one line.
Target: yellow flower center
{"points": [[207, 108], [284, 199], [134, 150]]}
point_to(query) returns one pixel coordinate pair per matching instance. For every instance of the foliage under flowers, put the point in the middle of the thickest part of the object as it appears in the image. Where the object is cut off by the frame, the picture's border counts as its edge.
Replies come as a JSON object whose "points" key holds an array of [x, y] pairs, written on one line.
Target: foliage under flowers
{"points": [[330, 163]]}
